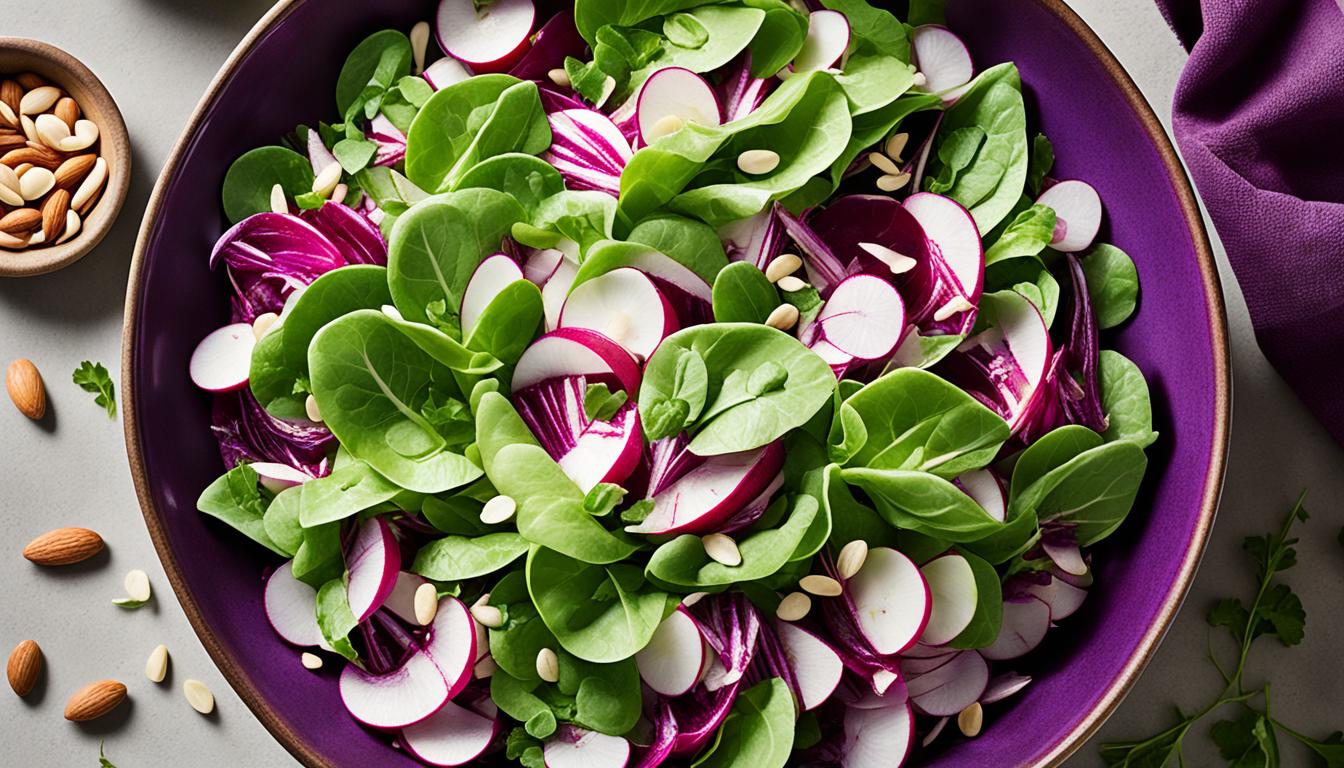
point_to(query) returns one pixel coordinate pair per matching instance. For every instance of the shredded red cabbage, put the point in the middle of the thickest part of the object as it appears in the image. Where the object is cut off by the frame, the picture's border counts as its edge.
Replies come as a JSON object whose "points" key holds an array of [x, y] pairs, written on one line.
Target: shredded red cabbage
{"points": [[246, 432]]}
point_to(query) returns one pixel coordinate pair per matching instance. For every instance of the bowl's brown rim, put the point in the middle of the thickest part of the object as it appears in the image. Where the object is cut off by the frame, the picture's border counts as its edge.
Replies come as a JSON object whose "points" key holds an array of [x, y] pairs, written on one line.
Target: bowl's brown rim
{"points": [[40, 261], [305, 752]]}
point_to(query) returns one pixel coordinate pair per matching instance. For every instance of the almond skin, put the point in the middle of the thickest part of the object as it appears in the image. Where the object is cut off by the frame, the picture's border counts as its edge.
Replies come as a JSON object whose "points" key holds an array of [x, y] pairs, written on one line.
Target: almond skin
{"points": [[20, 221], [30, 80], [25, 663], [64, 546], [36, 155], [10, 93], [94, 700], [24, 383], [67, 110], [73, 171], [53, 214]]}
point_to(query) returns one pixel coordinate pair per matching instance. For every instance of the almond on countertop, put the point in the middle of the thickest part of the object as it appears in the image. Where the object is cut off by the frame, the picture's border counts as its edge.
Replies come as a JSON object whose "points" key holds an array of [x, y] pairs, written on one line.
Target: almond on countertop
{"points": [[64, 546], [94, 700], [25, 663], [24, 384]]}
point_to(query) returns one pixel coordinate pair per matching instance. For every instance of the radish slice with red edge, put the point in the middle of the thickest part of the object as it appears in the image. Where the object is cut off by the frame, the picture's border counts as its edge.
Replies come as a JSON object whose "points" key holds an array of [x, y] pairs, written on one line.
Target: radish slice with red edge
{"points": [[1062, 598], [625, 306], [490, 39], [878, 737], [951, 229], [401, 600], [606, 451], [404, 696], [276, 477], [676, 93], [672, 662], [891, 601], [1077, 210], [826, 42], [1025, 621], [942, 58], [542, 264], [985, 489], [452, 736], [864, 317], [1007, 361], [704, 498], [222, 362], [492, 275], [576, 352], [950, 687], [291, 607], [952, 589], [556, 289], [1002, 686], [573, 747], [445, 72], [816, 665], [453, 643], [373, 562]]}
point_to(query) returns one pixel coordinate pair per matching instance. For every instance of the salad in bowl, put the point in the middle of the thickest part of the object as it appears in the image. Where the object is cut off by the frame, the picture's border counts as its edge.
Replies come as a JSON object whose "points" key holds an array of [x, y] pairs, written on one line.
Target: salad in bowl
{"points": [[671, 383]]}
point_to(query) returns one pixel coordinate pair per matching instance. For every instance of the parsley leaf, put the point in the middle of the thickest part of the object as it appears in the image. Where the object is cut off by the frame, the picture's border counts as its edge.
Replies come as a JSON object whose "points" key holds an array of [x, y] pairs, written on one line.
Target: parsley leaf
{"points": [[93, 377], [103, 762], [1247, 740]]}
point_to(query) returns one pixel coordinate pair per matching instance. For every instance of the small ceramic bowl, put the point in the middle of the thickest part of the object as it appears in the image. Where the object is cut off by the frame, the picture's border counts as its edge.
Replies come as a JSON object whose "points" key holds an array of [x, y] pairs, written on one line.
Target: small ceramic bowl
{"points": [[18, 55]]}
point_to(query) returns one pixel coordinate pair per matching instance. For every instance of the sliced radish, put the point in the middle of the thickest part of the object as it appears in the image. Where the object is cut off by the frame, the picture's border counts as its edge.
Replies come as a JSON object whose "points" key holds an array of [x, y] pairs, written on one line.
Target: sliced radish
{"points": [[704, 498], [986, 489], [373, 562], [625, 306], [1077, 210], [952, 588], [816, 665], [576, 352], [950, 687], [222, 361], [276, 477], [942, 58], [541, 265], [756, 239], [452, 736], [672, 97], [826, 42], [401, 600], [891, 600], [952, 231], [588, 150], [490, 39], [1065, 553], [605, 451], [319, 157], [573, 747], [1062, 598], [402, 697], [1006, 363], [863, 318], [445, 72], [672, 662], [556, 289], [291, 607], [452, 643], [1003, 686], [1025, 621], [665, 269], [492, 275], [878, 737]]}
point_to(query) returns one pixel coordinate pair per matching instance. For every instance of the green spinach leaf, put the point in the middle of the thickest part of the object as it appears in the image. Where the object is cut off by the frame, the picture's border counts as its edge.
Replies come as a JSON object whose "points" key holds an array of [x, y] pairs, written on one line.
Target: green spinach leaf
{"points": [[248, 183]]}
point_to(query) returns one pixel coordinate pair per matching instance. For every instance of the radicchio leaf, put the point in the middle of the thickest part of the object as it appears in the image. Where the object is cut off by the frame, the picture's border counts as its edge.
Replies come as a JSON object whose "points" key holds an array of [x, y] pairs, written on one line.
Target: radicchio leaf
{"points": [[268, 256], [246, 432]]}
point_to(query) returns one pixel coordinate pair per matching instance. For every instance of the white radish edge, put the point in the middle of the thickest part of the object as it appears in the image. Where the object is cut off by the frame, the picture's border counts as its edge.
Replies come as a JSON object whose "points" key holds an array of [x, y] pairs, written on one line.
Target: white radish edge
{"points": [[863, 318], [672, 662], [372, 564], [1077, 208], [891, 600], [491, 277], [675, 92], [828, 35], [942, 57], [816, 665], [276, 477], [484, 41], [954, 594], [222, 361]]}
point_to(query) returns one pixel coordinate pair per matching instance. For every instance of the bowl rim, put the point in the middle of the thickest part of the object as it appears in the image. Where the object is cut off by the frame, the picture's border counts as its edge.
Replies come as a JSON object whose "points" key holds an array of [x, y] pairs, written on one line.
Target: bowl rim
{"points": [[1055, 754], [46, 259]]}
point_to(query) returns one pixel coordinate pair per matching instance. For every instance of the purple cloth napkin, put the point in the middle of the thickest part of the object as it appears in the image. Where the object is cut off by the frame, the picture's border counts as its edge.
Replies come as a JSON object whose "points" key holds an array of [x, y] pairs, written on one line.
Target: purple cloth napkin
{"points": [[1259, 117]]}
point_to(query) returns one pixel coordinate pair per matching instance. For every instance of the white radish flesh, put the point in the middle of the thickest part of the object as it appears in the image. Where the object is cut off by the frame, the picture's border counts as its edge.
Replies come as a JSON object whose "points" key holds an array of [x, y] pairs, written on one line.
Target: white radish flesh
{"points": [[1024, 624], [373, 563], [222, 362], [986, 490], [556, 289], [826, 42], [489, 39], [572, 747], [952, 587], [452, 736], [1003, 686], [576, 352], [672, 661], [452, 643], [815, 663], [405, 696], [950, 228], [401, 600], [542, 264], [950, 687], [878, 737], [606, 451], [291, 607], [625, 306], [863, 318], [674, 92], [492, 276], [1077, 210], [277, 477], [891, 600], [1061, 597], [702, 499], [445, 72], [942, 58]]}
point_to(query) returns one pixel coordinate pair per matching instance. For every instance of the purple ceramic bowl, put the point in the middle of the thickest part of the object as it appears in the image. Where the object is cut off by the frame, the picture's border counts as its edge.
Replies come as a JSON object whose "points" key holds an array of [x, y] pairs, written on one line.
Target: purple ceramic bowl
{"points": [[283, 74]]}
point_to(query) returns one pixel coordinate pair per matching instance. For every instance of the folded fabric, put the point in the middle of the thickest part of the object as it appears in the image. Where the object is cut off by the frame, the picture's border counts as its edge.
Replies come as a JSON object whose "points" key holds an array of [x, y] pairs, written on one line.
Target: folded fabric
{"points": [[1259, 117]]}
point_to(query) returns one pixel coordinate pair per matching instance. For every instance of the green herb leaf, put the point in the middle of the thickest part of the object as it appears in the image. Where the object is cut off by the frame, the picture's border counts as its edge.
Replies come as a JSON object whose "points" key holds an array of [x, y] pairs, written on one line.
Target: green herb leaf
{"points": [[103, 762], [600, 403], [93, 377]]}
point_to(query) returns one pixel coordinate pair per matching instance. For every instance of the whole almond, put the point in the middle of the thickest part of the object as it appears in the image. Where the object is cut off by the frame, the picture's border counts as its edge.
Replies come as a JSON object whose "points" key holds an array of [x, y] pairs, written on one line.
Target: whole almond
{"points": [[94, 700], [68, 110], [9, 141], [30, 80], [21, 220], [25, 663], [11, 93], [24, 383], [53, 214], [73, 170], [64, 546], [41, 156]]}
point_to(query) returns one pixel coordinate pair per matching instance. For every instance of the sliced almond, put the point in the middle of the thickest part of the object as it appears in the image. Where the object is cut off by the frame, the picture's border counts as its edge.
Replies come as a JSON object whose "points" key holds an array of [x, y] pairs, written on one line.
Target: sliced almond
{"points": [[29, 128], [883, 163], [52, 130], [793, 607], [821, 586], [311, 410], [326, 180], [68, 110], [73, 170], [54, 212], [263, 323], [39, 100], [36, 183], [896, 145], [137, 585], [559, 76], [921, 80], [851, 558], [9, 187], [488, 616], [971, 720], [758, 161], [94, 700], [419, 37], [90, 187], [64, 546], [21, 221], [156, 666], [24, 383], [784, 317], [426, 603], [954, 305], [722, 549], [310, 660], [199, 696], [892, 182], [25, 664], [790, 284], [781, 266], [83, 137], [499, 509], [898, 263], [548, 665], [8, 115], [279, 204]]}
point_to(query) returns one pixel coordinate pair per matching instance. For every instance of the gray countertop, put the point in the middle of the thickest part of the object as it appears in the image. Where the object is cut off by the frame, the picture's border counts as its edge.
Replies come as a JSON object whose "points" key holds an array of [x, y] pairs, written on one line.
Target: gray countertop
{"points": [[156, 57]]}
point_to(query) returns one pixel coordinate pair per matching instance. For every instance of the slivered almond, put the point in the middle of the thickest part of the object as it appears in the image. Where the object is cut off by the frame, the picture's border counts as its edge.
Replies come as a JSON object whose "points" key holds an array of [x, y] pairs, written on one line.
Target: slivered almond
{"points": [[20, 221], [64, 546], [94, 700], [53, 214], [73, 170], [68, 110], [25, 664]]}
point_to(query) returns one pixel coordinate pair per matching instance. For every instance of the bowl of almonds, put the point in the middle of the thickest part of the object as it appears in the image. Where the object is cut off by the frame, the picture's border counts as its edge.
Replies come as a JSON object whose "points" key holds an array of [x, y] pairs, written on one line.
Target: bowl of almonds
{"points": [[65, 159]]}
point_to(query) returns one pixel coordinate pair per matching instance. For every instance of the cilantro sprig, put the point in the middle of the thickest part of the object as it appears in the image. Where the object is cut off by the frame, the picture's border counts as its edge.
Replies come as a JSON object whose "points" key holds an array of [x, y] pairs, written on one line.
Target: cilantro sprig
{"points": [[1249, 738], [93, 377]]}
